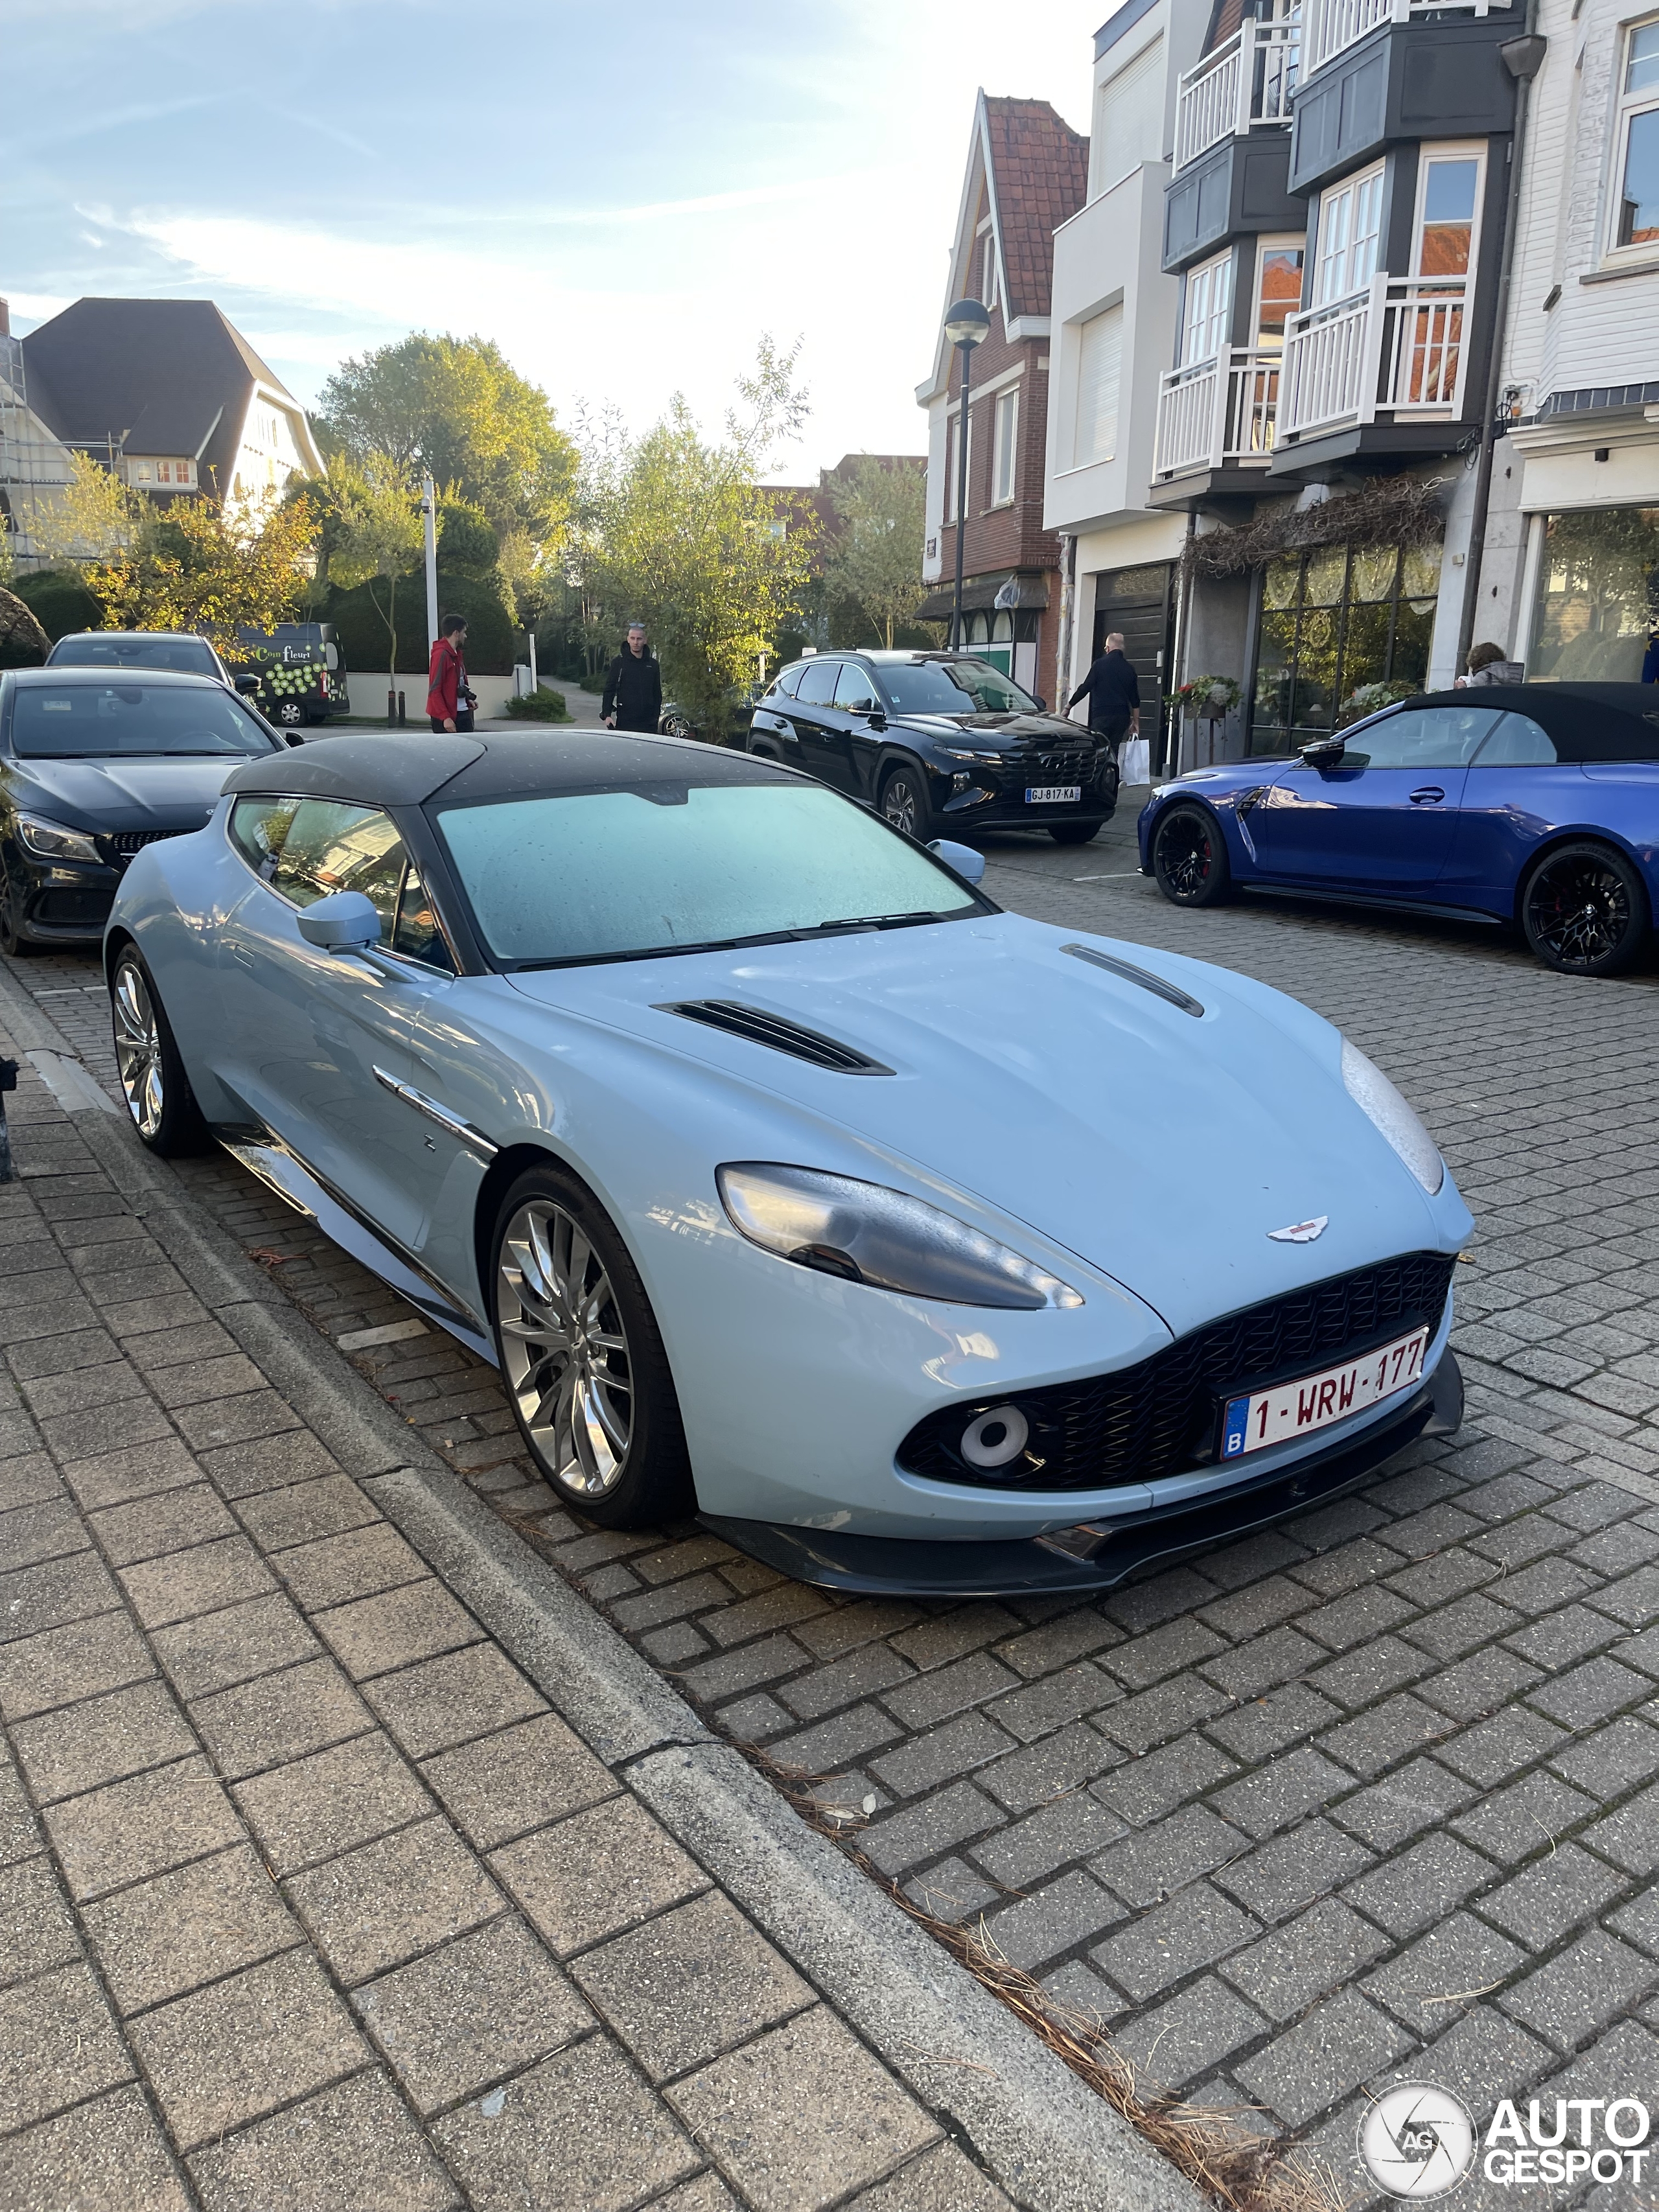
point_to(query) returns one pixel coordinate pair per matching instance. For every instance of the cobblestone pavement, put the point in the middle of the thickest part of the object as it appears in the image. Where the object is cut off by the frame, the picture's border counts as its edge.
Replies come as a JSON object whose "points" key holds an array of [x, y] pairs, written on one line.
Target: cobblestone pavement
{"points": [[309, 1901], [1373, 1797]]}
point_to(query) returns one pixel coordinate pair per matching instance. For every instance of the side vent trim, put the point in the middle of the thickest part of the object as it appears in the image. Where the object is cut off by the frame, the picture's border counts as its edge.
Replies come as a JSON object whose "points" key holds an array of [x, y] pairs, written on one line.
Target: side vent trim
{"points": [[777, 1033], [1144, 977]]}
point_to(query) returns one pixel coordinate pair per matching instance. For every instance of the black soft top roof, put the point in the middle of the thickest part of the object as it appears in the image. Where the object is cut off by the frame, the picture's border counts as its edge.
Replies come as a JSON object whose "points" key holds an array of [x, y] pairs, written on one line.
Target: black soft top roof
{"points": [[407, 770], [1585, 721]]}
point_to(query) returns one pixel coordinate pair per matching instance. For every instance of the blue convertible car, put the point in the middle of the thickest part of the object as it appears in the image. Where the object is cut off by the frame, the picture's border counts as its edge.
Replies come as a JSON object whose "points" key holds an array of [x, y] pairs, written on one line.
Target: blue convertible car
{"points": [[787, 1179], [1533, 804]]}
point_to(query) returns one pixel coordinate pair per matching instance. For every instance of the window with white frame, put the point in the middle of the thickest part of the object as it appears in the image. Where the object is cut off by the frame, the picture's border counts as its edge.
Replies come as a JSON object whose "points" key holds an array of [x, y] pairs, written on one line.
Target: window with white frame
{"points": [[1099, 376], [1636, 142], [1448, 211], [1209, 304], [953, 502], [1007, 436], [1278, 290], [1350, 227], [987, 276]]}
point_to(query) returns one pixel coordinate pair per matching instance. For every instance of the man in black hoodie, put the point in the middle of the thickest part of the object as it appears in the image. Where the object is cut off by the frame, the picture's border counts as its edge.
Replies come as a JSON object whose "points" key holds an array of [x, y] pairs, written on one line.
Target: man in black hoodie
{"points": [[1113, 694], [633, 689]]}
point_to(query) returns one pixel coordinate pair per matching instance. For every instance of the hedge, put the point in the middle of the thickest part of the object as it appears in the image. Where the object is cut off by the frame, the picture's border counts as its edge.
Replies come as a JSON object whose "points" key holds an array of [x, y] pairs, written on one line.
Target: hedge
{"points": [[490, 638]]}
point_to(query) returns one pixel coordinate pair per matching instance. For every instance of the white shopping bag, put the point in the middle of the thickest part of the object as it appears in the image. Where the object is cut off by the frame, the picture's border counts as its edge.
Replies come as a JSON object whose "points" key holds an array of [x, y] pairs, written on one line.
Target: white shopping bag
{"points": [[1134, 764]]}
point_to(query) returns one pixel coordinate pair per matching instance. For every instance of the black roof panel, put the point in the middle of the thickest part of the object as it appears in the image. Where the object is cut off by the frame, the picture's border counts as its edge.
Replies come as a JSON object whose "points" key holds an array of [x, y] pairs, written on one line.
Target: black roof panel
{"points": [[406, 768], [1585, 721]]}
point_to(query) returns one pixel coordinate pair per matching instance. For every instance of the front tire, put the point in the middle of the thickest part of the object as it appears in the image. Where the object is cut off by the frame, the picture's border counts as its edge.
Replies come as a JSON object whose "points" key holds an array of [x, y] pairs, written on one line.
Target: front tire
{"points": [[12, 939], [153, 1080], [1189, 858], [904, 803], [1075, 833], [1584, 910], [583, 1358]]}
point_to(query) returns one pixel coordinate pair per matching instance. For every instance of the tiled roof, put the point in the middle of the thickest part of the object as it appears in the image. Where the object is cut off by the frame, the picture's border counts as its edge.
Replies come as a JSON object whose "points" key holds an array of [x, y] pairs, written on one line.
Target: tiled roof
{"points": [[1040, 175]]}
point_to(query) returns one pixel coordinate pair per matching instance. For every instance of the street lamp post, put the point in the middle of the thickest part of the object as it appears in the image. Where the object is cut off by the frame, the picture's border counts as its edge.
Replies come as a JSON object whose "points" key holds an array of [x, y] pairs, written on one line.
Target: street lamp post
{"points": [[966, 325]]}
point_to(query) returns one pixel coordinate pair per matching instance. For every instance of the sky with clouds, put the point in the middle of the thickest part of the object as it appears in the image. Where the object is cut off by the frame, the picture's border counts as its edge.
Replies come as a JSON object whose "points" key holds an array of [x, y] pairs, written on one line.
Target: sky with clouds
{"points": [[623, 196]]}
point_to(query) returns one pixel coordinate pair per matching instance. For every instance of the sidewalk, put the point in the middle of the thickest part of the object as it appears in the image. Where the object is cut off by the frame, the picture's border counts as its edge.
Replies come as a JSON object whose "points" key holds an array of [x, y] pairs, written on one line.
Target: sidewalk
{"points": [[331, 1880]]}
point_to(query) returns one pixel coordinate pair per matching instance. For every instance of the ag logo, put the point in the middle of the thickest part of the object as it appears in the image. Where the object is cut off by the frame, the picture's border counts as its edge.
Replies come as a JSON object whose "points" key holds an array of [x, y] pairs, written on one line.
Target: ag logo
{"points": [[1416, 2141]]}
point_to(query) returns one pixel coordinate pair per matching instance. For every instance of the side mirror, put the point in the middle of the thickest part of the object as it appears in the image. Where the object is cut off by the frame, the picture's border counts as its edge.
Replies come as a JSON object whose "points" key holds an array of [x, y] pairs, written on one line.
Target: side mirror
{"points": [[968, 864], [246, 682], [1323, 752], [878, 718], [344, 922], [1043, 704]]}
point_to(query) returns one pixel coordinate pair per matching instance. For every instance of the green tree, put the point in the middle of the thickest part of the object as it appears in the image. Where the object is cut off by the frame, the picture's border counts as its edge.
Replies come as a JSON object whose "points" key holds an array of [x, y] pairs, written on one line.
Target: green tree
{"points": [[876, 561], [455, 407], [678, 531], [379, 536]]}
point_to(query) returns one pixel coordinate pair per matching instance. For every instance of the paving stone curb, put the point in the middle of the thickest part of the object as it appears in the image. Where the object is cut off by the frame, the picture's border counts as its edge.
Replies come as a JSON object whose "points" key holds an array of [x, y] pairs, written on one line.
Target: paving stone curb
{"points": [[1050, 2142]]}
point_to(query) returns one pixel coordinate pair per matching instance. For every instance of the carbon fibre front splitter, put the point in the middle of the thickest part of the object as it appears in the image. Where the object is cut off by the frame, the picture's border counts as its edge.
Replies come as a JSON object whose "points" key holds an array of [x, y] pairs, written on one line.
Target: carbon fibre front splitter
{"points": [[1105, 1554]]}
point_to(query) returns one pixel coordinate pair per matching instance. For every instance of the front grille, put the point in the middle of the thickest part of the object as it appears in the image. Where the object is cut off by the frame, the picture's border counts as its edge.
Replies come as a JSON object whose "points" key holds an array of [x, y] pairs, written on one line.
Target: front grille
{"points": [[120, 845], [1162, 1415]]}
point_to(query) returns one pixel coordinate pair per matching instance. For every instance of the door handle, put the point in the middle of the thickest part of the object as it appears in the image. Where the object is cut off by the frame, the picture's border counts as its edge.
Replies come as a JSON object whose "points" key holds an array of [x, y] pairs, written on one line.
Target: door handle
{"points": [[1428, 795]]}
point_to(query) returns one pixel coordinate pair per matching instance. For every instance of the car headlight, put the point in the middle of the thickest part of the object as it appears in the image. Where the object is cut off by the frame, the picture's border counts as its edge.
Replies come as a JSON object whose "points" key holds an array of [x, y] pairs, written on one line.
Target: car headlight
{"points": [[865, 1233], [956, 752], [1368, 1086], [50, 841]]}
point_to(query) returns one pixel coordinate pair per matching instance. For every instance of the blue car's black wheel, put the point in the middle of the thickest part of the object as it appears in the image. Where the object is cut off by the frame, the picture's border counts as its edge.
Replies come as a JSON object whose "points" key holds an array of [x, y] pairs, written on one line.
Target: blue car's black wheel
{"points": [[1190, 857], [1584, 910], [583, 1356]]}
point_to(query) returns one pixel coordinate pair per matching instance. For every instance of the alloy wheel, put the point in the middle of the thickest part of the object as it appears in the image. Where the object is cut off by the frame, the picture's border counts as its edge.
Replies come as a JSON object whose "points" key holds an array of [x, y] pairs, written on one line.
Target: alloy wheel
{"points": [[565, 1348], [1184, 856], [1579, 910], [900, 806], [139, 1049]]}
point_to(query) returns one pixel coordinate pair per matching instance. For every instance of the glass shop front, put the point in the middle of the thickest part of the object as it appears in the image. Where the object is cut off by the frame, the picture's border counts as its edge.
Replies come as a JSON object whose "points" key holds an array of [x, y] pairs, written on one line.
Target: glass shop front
{"points": [[1334, 622], [1595, 611]]}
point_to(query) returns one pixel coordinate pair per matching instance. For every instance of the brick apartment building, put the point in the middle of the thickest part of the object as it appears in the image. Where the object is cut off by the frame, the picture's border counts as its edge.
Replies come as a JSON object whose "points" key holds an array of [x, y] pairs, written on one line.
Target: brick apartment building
{"points": [[1027, 173]]}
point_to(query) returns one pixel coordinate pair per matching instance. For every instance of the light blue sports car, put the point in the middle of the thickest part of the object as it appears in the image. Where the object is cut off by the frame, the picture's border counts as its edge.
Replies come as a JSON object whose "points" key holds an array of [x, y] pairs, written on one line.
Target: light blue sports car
{"points": [[913, 1245]]}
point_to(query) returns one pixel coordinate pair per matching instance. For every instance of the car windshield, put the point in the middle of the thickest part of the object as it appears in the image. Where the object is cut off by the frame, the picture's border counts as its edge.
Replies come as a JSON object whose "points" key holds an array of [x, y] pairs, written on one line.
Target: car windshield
{"points": [[952, 687], [188, 656], [615, 875], [101, 721]]}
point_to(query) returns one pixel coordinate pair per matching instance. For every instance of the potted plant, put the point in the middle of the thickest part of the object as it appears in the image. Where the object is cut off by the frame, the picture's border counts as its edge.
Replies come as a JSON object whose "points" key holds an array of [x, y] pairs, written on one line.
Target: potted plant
{"points": [[1206, 699]]}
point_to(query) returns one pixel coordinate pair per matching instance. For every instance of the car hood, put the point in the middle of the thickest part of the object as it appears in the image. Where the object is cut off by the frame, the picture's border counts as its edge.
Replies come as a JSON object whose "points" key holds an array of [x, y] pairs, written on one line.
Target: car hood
{"points": [[122, 794], [1014, 730], [1162, 1149]]}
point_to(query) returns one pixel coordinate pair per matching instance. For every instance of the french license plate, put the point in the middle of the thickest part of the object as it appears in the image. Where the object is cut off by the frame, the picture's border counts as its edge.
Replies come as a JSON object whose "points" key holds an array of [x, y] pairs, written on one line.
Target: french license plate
{"points": [[1054, 794], [1314, 1401]]}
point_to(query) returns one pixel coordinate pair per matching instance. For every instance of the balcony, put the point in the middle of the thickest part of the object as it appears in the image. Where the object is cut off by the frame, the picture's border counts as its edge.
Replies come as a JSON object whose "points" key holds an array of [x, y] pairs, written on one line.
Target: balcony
{"points": [[1331, 27], [1248, 81], [1396, 348], [1217, 414]]}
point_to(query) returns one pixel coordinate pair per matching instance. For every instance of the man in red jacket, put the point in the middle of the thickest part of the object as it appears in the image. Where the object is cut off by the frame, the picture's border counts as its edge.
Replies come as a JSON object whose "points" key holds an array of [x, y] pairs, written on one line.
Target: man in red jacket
{"points": [[448, 702]]}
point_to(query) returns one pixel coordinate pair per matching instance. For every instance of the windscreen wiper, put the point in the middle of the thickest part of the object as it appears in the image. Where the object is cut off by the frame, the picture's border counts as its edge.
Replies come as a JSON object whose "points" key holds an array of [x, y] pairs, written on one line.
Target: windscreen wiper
{"points": [[862, 921]]}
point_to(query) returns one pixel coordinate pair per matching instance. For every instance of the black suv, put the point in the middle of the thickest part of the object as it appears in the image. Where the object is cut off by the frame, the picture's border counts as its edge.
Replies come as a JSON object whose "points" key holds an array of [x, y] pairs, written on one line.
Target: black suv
{"points": [[940, 742]]}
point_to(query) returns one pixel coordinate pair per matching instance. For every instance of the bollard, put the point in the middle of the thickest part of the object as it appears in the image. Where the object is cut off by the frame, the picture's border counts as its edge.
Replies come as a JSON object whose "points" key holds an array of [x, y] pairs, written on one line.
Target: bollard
{"points": [[391, 710], [8, 1082], [403, 719]]}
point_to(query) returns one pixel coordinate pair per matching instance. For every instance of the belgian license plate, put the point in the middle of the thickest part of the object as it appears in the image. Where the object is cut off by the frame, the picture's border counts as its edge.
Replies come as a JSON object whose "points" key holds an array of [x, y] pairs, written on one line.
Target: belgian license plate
{"points": [[1314, 1401], [1054, 794]]}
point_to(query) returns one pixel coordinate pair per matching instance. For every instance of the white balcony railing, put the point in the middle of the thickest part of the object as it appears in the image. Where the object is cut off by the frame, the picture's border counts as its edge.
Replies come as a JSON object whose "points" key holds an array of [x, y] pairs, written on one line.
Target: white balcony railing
{"points": [[1397, 346], [1331, 27], [1217, 412], [1249, 79]]}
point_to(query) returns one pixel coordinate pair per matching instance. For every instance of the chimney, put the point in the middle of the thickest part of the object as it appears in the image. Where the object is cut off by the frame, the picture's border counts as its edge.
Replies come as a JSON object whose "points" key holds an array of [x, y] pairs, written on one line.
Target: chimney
{"points": [[5, 320]]}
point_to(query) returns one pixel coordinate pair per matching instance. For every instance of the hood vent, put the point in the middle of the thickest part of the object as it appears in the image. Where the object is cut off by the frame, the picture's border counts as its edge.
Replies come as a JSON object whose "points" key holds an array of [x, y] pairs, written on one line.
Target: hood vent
{"points": [[1131, 974], [777, 1033]]}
